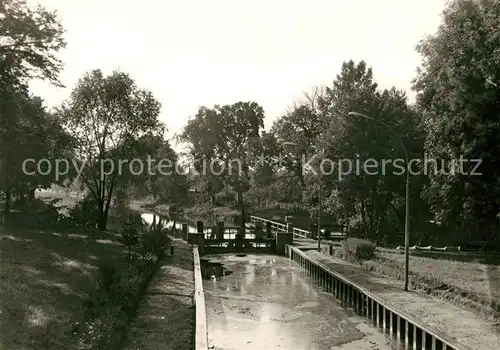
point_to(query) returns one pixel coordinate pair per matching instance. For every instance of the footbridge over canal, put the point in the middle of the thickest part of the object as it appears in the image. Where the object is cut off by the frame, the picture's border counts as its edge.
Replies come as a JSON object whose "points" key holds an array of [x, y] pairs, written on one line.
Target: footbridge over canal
{"points": [[261, 235], [283, 299]]}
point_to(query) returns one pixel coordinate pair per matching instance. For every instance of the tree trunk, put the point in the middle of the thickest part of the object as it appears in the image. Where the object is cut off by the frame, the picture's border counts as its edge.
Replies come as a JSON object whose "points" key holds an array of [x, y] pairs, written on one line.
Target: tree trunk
{"points": [[106, 204], [103, 221]]}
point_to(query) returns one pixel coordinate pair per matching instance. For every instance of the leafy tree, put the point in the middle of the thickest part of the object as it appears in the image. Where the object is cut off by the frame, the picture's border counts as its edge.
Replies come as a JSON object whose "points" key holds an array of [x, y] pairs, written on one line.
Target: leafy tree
{"points": [[226, 135], [458, 93], [29, 41], [129, 236], [108, 116], [263, 172], [165, 180], [362, 196], [301, 125], [28, 135]]}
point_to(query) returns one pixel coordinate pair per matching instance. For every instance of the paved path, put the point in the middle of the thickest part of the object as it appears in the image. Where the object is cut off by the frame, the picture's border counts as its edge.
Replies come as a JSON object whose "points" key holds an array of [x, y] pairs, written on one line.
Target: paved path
{"points": [[268, 303], [165, 319], [465, 326]]}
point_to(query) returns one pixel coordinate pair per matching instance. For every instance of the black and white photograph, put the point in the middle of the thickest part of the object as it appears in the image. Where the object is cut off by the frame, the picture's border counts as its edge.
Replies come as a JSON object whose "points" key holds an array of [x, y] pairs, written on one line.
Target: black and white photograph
{"points": [[249, 175]]}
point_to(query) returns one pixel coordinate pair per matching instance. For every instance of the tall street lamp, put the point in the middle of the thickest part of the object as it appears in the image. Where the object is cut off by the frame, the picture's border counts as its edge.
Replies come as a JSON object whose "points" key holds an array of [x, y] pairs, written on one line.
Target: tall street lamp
{"points": [[407, 200], [293, 144]]}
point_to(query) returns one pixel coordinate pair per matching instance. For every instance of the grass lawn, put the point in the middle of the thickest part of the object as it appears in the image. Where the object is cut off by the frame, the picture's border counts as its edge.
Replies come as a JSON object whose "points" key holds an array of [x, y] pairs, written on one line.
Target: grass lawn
{"points": [[479, 278], [44, 279]]}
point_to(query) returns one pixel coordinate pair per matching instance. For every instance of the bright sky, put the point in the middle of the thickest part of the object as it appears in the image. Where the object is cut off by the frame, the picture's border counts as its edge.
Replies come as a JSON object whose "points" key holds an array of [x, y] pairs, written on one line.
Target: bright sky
{"points": [[192, 53]]}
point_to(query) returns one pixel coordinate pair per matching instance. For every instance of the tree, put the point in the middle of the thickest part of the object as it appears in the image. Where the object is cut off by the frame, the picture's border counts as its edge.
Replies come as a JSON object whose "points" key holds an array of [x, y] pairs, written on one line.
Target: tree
{"points": [[129, 236], [226, 135], [107, 116], [367, 197], [29, 135], [29, 41], [458, 94], [301, 125], [167, 181]]}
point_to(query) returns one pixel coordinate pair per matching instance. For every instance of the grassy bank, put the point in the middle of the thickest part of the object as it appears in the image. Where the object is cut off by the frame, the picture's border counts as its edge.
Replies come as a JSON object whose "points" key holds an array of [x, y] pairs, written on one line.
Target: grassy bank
{"points": [[469, 284], [67, 286], [44, 280], [474, 285]]}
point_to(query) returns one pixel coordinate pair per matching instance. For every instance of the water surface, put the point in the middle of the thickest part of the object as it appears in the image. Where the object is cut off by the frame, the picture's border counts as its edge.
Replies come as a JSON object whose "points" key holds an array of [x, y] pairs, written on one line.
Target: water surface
{"points": [[269, 303]]}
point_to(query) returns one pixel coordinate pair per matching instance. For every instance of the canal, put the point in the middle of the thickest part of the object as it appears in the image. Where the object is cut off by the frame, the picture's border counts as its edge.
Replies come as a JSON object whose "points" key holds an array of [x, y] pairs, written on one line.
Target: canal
{"points": [[266, 302]]}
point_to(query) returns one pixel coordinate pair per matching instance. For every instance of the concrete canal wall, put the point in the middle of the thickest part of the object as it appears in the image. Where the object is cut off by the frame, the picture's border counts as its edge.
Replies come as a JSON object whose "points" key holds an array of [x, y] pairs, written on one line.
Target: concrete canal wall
{"points": [[201, 342]]}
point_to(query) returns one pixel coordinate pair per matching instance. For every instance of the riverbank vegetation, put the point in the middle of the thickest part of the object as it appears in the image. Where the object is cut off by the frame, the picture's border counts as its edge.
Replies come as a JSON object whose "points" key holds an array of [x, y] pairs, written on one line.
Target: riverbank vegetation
{"points": [[67, 287]]}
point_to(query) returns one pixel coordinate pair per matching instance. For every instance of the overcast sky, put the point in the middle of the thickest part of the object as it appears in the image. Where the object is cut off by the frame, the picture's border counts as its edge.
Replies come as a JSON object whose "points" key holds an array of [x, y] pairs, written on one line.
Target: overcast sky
{"points": [[192, 53]]}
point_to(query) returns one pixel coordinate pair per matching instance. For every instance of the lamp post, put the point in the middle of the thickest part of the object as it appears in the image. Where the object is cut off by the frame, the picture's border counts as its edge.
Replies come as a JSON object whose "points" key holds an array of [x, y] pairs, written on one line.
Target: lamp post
{"points": [[319, 199], [407, 199], [319, 214]]}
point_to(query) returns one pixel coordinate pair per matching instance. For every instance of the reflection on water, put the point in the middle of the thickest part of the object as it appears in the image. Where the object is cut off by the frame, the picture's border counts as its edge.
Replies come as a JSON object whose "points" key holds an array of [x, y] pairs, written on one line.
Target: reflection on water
{"points": [[269, 303], [149, 218]]}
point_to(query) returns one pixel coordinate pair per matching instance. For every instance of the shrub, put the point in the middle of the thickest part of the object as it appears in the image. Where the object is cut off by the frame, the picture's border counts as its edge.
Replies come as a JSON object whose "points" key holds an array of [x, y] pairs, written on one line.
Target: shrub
{"points": [[125, 288], [129, 236], [85, 213], [109, 308], [155, 242], [106, 275], [40, 214], [358, 250], [98, 333]]}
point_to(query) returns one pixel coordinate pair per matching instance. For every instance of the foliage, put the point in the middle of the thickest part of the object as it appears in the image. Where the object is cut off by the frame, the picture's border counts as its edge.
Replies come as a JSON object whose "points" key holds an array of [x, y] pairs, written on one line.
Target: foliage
{"points": [[300, 127], [41, 214], [108, 310], [155, 242], [110, 119], [85, 213], [225, 136], [166, 182], [367, 195], [458, 94], [29, 41], [130, 236], [209, 214], [358, 250]]}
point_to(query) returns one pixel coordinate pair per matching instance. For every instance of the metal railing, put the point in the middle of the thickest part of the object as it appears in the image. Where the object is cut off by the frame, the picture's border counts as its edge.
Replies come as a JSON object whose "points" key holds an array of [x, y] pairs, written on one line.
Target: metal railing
{"points": [[280, 227], [391, 322]]}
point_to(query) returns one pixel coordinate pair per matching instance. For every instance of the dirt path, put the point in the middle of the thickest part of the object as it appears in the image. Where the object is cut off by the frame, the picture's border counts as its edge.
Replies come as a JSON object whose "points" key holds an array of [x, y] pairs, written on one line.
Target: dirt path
{"points": [[165, 318], [464, 326]]}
